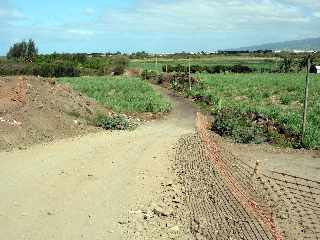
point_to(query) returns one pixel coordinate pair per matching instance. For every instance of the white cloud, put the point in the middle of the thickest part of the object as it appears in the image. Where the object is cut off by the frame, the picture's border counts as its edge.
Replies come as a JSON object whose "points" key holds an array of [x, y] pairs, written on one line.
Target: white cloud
{"points": [[183, 24], [203, 15]]}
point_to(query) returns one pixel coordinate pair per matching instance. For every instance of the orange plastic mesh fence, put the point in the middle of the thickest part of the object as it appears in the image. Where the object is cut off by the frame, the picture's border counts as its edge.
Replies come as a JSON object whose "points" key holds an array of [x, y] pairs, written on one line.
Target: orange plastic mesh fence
{"points": [[260, 210]]}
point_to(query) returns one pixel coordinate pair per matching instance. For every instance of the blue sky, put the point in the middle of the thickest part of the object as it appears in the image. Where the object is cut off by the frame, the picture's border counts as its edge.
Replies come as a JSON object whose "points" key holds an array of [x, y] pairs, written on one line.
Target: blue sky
{"points": [[155, 25]]}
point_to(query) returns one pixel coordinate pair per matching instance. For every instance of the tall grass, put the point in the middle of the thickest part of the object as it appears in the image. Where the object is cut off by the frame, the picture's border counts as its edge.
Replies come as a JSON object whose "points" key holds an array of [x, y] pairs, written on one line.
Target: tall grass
{"points": [[279, 97], [121, 94]]}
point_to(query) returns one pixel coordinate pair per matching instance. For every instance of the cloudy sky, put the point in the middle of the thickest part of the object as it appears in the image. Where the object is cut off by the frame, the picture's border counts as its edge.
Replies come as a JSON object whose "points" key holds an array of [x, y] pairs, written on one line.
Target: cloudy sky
{"points": [[155, 25]]}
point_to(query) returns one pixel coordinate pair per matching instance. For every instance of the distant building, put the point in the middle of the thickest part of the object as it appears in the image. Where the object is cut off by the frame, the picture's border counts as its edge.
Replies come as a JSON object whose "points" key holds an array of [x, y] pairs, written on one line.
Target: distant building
{"points": [[315, 69]]}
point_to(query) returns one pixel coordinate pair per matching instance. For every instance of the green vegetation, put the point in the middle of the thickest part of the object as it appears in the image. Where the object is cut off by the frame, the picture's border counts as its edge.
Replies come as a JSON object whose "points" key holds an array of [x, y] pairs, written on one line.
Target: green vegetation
{"points": [[23, 58], [23, 51], [116, 122], [261, 107], [257, 63], [121, 94]]}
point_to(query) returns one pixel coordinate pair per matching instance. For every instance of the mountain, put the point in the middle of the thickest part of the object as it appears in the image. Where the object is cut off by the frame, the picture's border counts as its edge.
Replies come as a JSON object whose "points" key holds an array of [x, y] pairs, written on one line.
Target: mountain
{"points": [[305, 44]]}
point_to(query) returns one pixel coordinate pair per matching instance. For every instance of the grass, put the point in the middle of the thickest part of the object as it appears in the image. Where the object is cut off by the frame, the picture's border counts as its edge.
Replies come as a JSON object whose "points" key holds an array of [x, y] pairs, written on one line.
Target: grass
{"points": [[253, 62], [121, 94], [277, 97]]}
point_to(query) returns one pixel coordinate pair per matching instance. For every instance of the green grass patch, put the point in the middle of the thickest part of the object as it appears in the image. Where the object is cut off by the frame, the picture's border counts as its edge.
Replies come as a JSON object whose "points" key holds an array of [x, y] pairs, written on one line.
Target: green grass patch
{"points": [[121, 94], [262, 107]]}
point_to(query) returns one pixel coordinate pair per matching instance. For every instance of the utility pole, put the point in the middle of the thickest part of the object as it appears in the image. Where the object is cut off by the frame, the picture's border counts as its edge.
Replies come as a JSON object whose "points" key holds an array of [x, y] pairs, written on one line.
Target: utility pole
{"points": [[306, 95], [156, 62]]}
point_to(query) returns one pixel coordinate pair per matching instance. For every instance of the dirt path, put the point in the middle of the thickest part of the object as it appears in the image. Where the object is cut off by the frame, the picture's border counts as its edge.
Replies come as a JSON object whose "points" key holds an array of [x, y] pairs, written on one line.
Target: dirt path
{"points": [[83, 188], [104, 185]]}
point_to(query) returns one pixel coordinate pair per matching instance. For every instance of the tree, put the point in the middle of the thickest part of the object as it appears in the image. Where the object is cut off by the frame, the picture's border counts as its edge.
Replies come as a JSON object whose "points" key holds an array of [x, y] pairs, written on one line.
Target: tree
{"points": [[25, 51]]}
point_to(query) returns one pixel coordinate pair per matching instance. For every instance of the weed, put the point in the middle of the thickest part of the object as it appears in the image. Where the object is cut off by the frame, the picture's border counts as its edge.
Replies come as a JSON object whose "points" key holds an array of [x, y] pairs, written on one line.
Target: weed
{"points": [[115, 122]]}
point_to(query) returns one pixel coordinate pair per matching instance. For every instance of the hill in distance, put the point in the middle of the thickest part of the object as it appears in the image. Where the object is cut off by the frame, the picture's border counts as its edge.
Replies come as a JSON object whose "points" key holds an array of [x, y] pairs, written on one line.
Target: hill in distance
{"points": [[305, 44]]}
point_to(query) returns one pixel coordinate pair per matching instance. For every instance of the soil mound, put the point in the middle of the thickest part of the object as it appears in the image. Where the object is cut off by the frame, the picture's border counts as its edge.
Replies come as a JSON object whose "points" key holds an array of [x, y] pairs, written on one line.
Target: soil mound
{"points": [[34, 110]]}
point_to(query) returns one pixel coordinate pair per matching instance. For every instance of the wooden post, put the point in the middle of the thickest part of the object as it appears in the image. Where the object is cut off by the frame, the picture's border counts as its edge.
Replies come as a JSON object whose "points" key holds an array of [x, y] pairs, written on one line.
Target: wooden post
{"points": [[189, 74], [145, 69], [166, 68], [306, 94], [156, 62]]}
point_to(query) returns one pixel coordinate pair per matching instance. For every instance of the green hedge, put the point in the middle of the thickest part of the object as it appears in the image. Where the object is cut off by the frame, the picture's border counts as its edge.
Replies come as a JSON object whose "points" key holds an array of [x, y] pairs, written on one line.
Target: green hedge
{"points": [[43, 70], [209, 69]]}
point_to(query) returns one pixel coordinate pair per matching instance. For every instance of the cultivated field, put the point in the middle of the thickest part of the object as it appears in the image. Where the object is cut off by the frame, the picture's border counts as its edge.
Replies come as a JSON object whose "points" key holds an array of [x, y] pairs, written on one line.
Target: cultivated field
{"points": [[256, 107], [121, 94]]}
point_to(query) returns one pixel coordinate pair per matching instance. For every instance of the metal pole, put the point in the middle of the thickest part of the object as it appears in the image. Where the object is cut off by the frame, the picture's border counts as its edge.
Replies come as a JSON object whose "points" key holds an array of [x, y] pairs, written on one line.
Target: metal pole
{"points": [[189, 74], [306, 94]]}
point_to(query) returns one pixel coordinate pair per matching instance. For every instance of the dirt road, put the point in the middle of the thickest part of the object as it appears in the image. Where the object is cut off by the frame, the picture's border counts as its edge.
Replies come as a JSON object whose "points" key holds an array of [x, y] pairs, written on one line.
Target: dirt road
{"points": [[83, 188]]}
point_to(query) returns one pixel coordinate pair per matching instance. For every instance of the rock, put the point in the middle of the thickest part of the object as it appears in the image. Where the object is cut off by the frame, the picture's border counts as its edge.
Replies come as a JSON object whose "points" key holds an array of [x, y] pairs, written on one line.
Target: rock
{"points": [[169, 184], [159, 211], [122, 222], [176, 200]]}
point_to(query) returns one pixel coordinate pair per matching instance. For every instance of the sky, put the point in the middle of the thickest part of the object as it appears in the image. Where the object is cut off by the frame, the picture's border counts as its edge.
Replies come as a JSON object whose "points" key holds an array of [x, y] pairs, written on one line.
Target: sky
{"points": [[155, 25]]}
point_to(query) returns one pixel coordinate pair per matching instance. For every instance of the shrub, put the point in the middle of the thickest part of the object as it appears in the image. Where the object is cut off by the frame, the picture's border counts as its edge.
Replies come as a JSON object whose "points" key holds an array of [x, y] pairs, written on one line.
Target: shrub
{"points": [[209, 69], [57, 70], [7, 69], [118, 70], [285, 99], [115, 122], [149, 75], [119, 65], [43, 70], [240, 69]]}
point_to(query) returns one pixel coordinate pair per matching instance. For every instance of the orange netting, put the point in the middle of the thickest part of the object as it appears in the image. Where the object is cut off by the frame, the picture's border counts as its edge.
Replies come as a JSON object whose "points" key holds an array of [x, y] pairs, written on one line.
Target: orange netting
{"points": [[239, 192]]}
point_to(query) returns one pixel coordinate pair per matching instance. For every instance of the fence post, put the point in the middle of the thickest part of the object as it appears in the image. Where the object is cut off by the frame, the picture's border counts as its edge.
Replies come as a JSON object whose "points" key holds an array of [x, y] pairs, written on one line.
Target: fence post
{"points": [[189, 74], [306, 94]]}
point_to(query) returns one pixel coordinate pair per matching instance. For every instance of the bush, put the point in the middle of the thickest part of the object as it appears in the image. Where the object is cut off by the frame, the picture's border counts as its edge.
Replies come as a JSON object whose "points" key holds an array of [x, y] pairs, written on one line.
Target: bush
{"points": [[57, 70], [149, 75], [43, 70], [119, 65], [118, 70], [7, 69], [209, 69], [115, 122], [240, 69]]}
